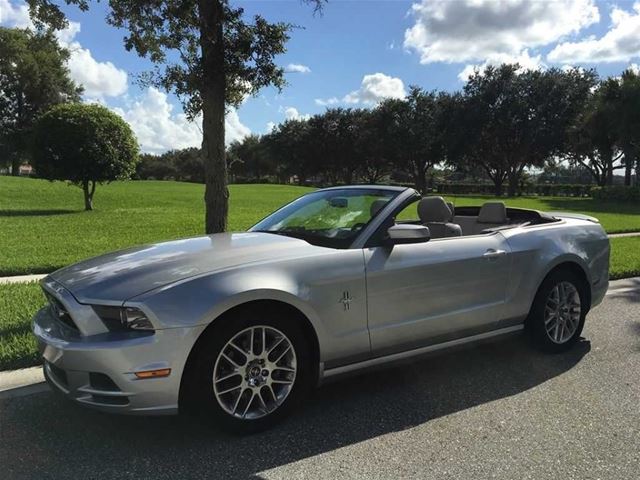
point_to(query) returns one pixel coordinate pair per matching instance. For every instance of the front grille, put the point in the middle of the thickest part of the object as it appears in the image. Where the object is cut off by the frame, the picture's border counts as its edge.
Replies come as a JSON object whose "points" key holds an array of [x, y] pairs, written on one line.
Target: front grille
{"points": [[59, 312]]}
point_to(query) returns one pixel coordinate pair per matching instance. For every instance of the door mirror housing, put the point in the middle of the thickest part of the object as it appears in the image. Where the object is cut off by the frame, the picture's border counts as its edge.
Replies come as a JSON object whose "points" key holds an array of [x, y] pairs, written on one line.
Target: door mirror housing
{"points": [[408, 233]]}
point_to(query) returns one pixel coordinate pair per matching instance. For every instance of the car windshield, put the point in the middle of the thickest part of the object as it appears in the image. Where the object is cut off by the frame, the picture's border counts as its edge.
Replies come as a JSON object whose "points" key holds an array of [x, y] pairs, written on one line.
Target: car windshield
{"points": [[329, 218]]}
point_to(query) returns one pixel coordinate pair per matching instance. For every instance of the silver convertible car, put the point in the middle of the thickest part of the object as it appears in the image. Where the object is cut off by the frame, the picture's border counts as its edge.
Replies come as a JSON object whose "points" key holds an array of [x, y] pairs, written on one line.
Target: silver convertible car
{"points": [[240, 326]]}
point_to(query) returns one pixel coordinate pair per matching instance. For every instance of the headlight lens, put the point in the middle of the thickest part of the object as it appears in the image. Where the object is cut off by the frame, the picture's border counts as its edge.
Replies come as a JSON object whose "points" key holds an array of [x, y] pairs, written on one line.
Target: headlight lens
{"points": [[122, 319], [135, 319]]}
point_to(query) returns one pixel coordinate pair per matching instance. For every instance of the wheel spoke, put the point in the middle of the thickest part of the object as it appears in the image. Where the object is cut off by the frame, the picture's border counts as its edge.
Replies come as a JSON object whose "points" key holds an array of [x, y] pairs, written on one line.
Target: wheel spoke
{"points": [[286, 369], [283, 382], [227, 377], [264, 404], [275, 346], [235, 405], [229, 390], [228, 359], [246, 409], [286, 350]]}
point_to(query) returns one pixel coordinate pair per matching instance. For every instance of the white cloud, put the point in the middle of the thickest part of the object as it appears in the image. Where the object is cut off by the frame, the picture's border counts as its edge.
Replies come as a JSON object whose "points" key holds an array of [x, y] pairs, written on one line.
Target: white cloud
{"points": [[14, 15], [327, 102], [635, 68], [620, 44], [475, 30], [297, 68], [374, 88], [270, 127], [526, 62], [159, 128], [291, 113], [99, 79]]}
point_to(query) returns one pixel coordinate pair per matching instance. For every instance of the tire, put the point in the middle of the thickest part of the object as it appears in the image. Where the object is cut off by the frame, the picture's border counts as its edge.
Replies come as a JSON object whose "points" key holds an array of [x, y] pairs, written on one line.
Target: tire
{"points": [[261, 389], [558, 312]]}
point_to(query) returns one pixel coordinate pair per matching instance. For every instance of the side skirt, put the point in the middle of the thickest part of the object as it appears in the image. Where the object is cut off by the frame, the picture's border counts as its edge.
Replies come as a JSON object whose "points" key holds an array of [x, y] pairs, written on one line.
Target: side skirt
{"points": [[373, 362]]}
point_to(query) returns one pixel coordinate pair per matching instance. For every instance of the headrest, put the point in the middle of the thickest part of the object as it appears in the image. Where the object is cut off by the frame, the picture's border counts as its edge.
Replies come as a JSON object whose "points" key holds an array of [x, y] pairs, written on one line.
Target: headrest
{"points": [[452, 208], [433, 209], [377, 205], [492, 212]]}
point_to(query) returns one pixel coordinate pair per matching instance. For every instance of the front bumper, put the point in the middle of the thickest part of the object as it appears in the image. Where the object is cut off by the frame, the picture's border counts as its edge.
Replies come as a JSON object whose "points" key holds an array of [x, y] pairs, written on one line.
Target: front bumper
{"points": [[98, 371]]}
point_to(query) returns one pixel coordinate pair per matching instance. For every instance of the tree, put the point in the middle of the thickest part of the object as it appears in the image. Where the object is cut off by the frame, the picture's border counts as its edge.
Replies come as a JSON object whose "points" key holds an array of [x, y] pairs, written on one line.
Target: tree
{"points": [[518, 119], [84, 144], [370, 144], [416, 133], [249, 157], [627, 120], [593, 137], [291, 145], [33, 77], [211, 58]]}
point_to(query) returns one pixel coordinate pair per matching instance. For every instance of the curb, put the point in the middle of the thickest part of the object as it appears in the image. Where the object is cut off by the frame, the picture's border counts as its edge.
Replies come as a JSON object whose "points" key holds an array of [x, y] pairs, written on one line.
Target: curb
{"points": [[25, 381], [21, 279]]}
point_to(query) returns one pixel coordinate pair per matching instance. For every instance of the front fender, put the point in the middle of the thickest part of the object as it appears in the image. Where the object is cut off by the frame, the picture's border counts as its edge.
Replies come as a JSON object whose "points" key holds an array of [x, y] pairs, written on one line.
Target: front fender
{"points": [[313, 285]]}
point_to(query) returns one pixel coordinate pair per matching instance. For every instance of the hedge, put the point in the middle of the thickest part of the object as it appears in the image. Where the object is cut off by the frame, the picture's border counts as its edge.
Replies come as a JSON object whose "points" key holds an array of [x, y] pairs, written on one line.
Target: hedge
{"points": [[617, 193], [546, 190]]}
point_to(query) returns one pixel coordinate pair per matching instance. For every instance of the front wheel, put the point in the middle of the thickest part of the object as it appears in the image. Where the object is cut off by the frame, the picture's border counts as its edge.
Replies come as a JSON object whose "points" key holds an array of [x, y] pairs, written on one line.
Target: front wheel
{"points": [[558, 313], [251, 371]]}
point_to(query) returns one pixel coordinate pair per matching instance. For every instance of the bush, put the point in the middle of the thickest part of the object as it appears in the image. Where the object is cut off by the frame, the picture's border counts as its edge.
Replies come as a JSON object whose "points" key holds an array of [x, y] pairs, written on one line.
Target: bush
{"points": [[617, 193], [84, 144]]}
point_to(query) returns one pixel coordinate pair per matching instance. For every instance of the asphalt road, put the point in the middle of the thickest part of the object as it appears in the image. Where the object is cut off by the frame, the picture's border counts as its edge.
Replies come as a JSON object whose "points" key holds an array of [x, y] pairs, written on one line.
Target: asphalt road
{"points": [[496, 410]]}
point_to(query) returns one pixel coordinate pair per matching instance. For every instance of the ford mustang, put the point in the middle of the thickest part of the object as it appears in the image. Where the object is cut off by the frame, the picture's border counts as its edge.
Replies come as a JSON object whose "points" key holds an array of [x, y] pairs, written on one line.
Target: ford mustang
{"points": [[241, 326]]}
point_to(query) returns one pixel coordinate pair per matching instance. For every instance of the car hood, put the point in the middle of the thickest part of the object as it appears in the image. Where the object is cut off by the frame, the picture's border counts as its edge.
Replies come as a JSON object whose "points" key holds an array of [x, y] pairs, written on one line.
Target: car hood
{"points": [[118, 276]]}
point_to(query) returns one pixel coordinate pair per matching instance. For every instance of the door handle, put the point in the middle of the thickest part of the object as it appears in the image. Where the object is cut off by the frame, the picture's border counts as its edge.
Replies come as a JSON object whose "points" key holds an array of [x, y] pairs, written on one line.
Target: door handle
{"points": [[492, 254]]}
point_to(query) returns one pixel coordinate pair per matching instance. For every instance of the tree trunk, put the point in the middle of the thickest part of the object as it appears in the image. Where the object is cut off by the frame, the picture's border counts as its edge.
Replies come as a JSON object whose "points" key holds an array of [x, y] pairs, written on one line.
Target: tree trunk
{"points": [[89, 188], [212, 90], [512, 189], [497, 183], [15, 165], [628, 164]]}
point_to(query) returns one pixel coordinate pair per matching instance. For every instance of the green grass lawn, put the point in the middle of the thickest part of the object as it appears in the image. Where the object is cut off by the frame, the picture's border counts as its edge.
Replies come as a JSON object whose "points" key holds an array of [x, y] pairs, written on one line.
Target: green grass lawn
{"points": [[43, 226], [18, 303]]}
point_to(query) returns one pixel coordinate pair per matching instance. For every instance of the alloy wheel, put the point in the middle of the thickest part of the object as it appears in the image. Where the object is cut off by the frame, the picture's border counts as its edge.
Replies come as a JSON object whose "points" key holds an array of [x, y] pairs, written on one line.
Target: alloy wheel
{"points": [[562, 312], [254, 372]]}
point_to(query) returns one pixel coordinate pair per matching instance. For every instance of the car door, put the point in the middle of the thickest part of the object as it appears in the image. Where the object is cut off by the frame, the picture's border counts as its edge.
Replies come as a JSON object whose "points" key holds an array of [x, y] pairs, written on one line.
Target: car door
{"points": [[426, 293]]}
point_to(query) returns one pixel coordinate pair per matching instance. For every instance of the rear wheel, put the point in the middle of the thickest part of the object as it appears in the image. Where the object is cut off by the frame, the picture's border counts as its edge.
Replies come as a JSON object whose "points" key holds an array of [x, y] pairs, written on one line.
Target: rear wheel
{"points": [[558, 313], [250, 371]]}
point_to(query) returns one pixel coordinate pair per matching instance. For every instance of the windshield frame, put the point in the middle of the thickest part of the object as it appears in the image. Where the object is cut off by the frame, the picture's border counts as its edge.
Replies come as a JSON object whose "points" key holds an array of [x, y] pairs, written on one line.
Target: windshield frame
{"points": [[392, 192]]}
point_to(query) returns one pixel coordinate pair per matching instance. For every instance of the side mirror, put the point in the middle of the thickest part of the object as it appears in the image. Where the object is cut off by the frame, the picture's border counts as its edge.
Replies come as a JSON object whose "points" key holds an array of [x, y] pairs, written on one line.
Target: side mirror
{"points": [[408, 233]]}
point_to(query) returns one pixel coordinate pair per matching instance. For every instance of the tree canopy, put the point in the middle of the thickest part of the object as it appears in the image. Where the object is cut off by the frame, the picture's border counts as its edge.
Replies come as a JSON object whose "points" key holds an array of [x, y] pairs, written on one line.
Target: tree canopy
{"points": [[84, 144], [33, 77]]}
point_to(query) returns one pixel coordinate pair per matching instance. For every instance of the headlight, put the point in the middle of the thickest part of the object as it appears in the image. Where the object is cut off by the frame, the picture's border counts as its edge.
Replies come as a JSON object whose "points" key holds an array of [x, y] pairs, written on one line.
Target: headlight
{"points": [[119, 319]]}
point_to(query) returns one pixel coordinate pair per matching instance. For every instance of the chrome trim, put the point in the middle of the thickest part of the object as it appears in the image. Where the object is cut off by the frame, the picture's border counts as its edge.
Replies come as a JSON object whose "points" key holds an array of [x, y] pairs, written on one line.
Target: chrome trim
{"points": [[418, 351]]}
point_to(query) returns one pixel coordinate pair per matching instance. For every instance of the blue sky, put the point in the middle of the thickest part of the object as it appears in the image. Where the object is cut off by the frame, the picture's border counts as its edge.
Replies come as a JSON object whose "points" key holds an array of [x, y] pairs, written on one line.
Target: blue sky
{"points": [[357, 53]]}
